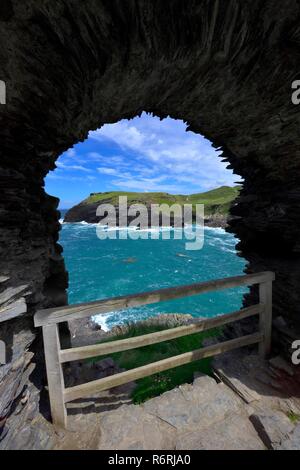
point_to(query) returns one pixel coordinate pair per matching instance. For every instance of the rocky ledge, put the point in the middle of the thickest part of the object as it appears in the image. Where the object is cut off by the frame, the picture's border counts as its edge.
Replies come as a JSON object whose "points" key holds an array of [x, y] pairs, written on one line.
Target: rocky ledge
{"points": [[217, 221], [246, 405]]}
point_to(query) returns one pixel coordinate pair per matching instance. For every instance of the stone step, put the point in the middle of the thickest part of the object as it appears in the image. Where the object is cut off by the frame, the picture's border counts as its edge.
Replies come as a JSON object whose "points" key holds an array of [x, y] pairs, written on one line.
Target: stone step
{"points": [[235, 432], [273, 428], [158, 423], [200, 404], [204, 415], [292, 442], [131, 428]]}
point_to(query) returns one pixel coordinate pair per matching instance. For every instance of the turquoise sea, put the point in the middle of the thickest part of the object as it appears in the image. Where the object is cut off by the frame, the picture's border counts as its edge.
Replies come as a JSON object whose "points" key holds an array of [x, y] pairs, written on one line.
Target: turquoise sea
{"points": [[99, 269]]}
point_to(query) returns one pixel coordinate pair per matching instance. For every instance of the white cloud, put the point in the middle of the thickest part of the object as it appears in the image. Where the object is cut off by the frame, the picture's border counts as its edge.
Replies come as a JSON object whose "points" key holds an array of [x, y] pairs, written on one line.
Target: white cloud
{"points": [[114, 172], [72, 167], [163, 148], [55, 176], [95, 156], [145, 185], [123, 133], [71, 153], [108, 171], [145, 154]]}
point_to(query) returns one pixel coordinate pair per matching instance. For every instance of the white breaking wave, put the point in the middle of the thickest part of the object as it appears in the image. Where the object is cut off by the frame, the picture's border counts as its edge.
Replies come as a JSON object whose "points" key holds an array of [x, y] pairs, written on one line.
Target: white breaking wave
{"points": [[82, 224], [102, 321], [117, 229], [120, 317], [216, 229]]}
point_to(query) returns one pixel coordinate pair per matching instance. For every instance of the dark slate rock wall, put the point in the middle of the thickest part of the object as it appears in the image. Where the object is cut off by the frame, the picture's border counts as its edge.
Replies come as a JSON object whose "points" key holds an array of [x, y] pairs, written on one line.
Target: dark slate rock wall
{"points": [[224, 66]]}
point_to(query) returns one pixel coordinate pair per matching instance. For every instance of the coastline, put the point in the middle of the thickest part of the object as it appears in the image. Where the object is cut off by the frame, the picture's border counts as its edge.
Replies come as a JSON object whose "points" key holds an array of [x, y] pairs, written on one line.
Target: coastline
{"points": [[85, 331], [211, 221], [216, 221], [217, 203]]}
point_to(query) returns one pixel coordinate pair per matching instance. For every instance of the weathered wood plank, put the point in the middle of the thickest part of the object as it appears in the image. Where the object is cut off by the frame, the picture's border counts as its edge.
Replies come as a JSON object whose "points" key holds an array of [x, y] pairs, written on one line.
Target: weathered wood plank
{"points": [[265, 319], [245, 392], [85, 352], [57, 315], [54, 375], [95, 386]]}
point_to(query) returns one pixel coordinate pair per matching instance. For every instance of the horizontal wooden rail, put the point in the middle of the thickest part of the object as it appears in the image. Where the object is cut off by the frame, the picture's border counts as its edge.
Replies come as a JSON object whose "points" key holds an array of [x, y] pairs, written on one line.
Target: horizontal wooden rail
{"points": [[55, 356], [84, 352], [80, 391], [74, 312]]}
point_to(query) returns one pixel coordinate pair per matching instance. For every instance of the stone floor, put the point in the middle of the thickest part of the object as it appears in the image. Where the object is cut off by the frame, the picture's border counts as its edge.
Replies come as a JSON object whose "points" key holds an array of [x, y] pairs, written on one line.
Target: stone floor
{"points": [[249, 404]]}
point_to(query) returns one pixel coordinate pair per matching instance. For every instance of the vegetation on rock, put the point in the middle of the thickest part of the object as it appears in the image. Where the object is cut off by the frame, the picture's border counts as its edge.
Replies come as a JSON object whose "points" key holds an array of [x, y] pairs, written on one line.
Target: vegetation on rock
{"points": [[216, 202], [157, 384]]}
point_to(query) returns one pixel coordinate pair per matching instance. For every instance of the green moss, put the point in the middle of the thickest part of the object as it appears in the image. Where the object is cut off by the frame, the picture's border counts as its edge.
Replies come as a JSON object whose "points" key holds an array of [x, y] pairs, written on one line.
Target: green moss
{"points": [[154, 385], [293, 417]]}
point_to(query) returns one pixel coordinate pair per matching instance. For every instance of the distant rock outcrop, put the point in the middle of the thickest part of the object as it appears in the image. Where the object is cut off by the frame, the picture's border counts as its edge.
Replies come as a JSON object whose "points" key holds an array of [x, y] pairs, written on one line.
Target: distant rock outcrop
{"points": [[216, 205]]}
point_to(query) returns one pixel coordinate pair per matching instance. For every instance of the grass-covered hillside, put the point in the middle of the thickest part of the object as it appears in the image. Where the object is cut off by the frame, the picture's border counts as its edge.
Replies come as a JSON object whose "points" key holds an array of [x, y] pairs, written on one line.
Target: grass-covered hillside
{"points": [[216, 202]]}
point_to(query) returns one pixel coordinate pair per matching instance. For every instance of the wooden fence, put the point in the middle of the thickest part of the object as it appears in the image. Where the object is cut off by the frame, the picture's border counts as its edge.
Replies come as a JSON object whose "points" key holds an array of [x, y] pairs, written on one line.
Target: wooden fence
{"points": [[55, 356]]}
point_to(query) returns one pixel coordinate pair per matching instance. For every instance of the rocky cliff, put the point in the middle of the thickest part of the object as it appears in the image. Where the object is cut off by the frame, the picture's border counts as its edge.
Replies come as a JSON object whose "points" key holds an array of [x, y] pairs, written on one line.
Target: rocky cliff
{"points": [[217, 203]]}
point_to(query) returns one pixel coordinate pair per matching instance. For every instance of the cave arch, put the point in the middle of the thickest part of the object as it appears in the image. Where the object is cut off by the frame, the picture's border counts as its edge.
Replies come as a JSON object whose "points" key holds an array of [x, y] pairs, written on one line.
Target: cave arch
{"points": [[225, 67]]}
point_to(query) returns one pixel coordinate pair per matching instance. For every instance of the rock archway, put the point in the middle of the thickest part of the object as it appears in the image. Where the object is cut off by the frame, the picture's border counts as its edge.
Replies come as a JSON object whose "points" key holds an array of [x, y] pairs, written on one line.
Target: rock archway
{"points": [[224, 66]]}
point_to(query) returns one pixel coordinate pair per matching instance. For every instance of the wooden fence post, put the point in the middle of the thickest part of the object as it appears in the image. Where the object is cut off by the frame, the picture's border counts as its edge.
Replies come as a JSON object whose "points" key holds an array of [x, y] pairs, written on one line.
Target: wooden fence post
{"points": [[50, 319], [55, 375], [265, 318]]}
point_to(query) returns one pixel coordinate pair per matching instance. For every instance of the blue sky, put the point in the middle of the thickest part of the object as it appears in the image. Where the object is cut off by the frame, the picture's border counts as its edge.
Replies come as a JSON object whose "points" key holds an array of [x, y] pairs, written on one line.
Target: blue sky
{"points": [[143, 154]]}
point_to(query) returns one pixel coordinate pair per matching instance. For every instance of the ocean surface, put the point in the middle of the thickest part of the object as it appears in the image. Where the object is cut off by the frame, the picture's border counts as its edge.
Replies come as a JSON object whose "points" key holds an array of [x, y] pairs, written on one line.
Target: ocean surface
{"points": [[99, 269]]}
